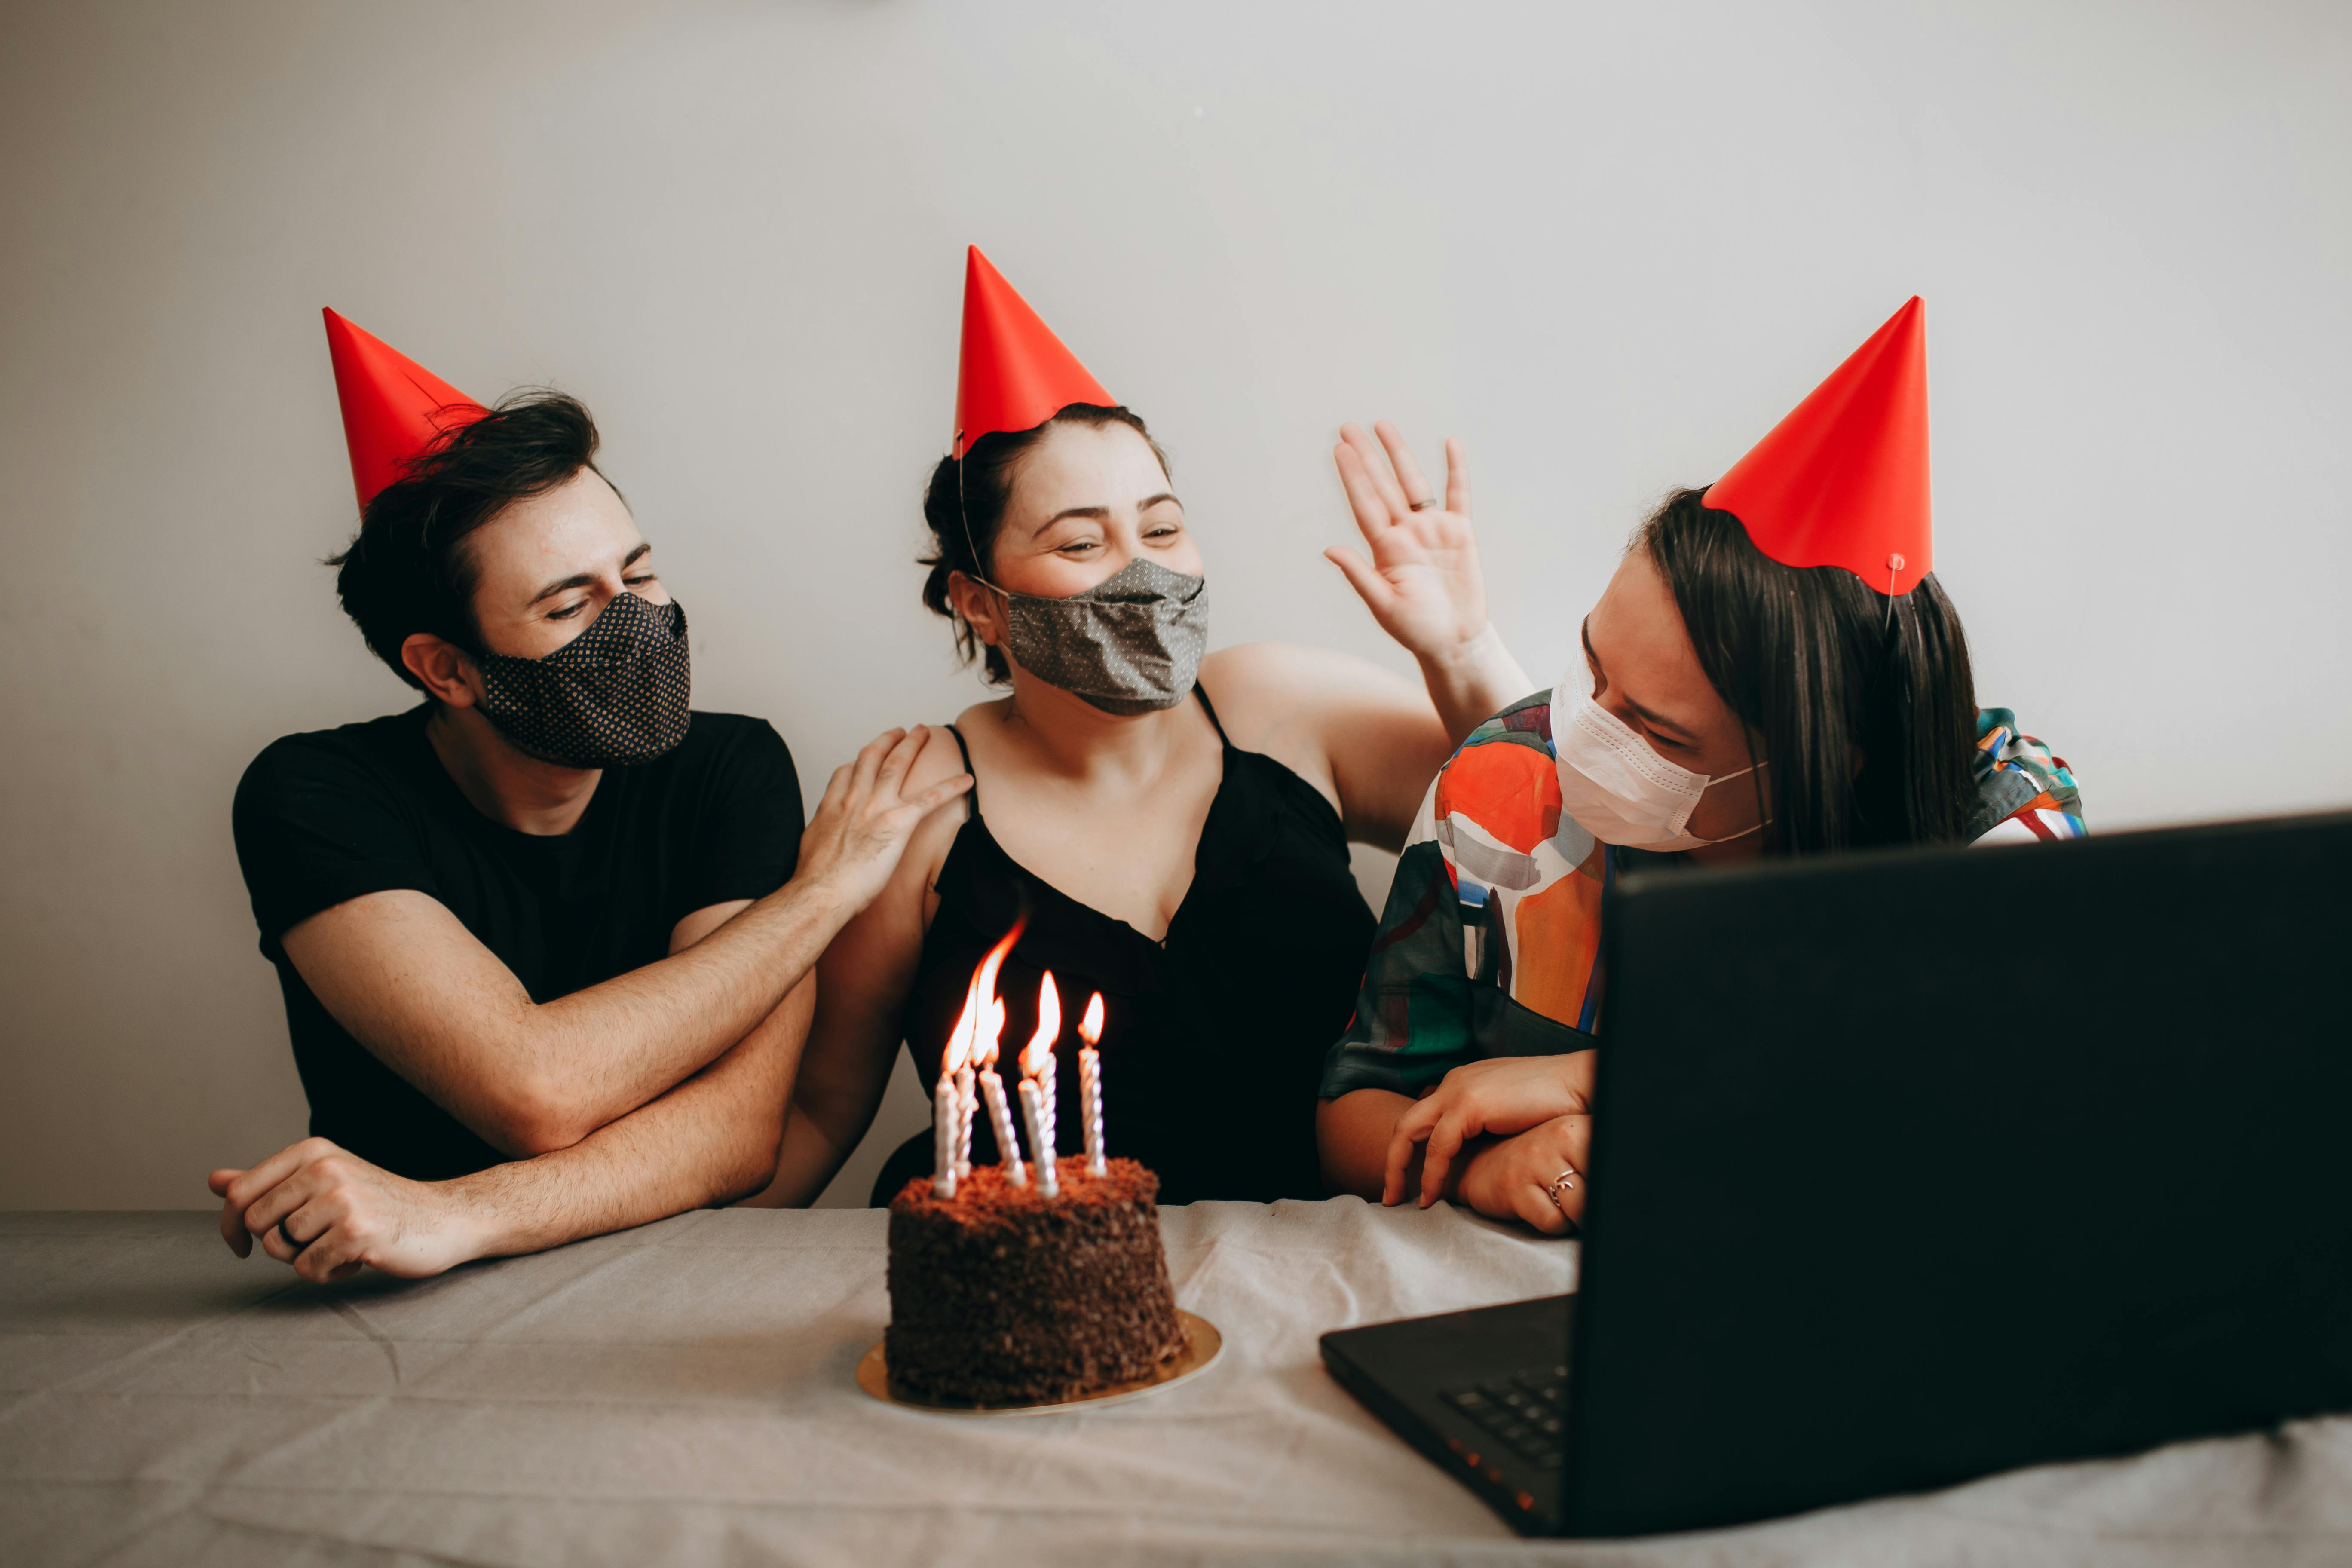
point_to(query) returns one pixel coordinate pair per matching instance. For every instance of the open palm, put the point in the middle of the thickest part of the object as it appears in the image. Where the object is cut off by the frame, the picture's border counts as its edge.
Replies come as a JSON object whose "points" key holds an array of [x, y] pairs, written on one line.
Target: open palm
{"points": [[1423, 584]]}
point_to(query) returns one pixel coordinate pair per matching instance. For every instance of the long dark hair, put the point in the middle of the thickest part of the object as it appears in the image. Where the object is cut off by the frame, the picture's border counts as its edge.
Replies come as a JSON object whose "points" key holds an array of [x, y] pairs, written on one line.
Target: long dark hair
{"points": [[1823, 666], [964, 506], [408, 571]]}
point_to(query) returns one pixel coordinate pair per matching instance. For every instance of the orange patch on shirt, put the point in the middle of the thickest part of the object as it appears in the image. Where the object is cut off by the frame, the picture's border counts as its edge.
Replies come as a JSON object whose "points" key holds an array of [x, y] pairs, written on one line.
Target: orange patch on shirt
{"points": [[1559, 938], [1509, 790]]}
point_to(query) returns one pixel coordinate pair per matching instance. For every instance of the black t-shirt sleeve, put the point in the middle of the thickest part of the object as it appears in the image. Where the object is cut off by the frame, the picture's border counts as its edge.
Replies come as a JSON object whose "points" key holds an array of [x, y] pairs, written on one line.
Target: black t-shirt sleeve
{"points": [[748, 837], [315, 825]]}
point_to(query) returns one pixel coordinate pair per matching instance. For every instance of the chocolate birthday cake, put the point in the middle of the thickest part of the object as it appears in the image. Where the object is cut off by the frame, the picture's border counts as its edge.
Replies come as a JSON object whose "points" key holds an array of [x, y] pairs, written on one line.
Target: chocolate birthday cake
{"points": [[1003, 1296]]}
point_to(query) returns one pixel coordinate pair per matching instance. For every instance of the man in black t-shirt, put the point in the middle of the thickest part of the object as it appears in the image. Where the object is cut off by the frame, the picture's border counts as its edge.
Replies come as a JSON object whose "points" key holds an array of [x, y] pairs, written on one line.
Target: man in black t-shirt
{"points": [[546, 940]]}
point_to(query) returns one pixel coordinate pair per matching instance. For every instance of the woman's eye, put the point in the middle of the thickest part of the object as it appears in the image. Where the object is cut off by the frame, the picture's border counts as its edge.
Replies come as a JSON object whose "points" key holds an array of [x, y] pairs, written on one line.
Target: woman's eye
{"points": [[1080, 546], [1165, 531]]}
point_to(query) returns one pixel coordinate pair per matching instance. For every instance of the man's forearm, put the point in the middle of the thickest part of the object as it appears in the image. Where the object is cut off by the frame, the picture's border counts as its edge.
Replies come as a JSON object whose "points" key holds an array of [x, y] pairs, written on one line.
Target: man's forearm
{"points": [[1474, 683], [711, 1139], [420, 991], [616, 1046], [328, 1213]]}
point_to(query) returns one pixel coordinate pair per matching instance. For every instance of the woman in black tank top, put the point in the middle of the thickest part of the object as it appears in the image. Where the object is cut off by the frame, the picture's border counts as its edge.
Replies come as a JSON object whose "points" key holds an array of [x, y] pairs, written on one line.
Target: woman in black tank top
{"points": [[1215, 1036], [1216, 837]]}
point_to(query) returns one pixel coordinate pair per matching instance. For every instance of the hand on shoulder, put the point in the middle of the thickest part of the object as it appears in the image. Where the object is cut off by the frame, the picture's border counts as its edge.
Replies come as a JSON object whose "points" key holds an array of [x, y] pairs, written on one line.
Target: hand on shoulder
{"points": [[873, 806]]}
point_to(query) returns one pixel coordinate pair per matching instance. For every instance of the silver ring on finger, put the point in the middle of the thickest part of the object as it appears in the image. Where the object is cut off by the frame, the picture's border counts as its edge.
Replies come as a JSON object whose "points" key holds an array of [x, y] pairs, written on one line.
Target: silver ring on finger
{"points": [[1563, 1182], [1424, 505]]}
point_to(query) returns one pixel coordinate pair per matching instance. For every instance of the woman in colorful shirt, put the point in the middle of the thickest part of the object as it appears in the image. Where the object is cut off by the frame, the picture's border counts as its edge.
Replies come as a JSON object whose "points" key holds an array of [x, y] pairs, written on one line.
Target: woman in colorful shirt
{"points": [[1745, 687]]}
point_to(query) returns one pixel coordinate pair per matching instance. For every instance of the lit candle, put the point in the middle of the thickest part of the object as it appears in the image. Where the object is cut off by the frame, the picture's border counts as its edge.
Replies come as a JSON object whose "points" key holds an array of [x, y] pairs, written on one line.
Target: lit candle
{"points": [[1090, 1086], [943, 1137], [1000, 1107], [950, 1129], [967, 1105], [1041, 1138], [982, 1018], [1038, 1069]]}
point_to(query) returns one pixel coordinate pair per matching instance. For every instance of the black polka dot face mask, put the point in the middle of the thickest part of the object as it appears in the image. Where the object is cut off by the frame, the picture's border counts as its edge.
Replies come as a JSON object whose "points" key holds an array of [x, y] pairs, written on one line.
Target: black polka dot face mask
{"points": [[613, 695], [1131, 643]]}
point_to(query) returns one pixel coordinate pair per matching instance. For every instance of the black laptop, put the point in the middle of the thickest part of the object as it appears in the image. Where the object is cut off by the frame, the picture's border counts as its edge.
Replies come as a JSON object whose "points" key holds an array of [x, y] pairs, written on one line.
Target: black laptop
{"points": [[1912, 1166]]}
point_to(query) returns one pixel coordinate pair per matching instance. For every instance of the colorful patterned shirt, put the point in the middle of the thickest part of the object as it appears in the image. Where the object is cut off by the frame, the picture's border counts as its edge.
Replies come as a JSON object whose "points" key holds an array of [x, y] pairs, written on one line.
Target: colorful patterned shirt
{"points": [[1490, 943]]}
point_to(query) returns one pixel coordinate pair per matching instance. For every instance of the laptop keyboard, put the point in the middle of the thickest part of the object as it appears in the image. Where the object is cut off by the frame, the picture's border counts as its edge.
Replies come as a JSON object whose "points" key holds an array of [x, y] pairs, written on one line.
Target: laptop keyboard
{"points": [[1523, 1411]]}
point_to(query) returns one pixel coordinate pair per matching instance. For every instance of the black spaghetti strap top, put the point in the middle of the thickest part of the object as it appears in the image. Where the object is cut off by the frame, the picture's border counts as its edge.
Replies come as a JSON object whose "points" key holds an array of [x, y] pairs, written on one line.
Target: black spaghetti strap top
{"points": [[1214, 1039]]}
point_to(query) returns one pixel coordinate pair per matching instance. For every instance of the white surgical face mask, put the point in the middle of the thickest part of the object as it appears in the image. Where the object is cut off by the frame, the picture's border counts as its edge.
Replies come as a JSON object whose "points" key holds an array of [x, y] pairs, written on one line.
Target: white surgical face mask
{"points": [[1616, 786]]}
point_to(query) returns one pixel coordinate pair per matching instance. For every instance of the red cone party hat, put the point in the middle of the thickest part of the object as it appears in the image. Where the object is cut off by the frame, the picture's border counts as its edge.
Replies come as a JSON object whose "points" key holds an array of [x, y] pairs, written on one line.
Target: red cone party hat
{"points": [[1842, 480], [1015, 375], [394, 407]]}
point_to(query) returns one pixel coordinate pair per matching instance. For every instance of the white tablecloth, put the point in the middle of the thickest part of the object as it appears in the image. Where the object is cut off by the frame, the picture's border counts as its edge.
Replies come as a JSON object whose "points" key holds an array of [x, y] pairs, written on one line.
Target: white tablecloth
{"points": [[683, 1393]]}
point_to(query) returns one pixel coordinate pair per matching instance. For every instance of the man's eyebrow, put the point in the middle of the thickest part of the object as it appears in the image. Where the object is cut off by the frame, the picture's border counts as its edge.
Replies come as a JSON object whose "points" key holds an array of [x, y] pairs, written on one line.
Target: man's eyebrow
{"points": [[584, 579], [1655, 721], [577, 580]]}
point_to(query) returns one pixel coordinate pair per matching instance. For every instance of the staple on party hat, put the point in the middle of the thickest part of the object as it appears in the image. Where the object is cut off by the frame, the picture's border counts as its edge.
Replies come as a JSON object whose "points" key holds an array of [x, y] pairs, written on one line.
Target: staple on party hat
{"points": [[394, 408], [1014, 373], [1842, 480]]}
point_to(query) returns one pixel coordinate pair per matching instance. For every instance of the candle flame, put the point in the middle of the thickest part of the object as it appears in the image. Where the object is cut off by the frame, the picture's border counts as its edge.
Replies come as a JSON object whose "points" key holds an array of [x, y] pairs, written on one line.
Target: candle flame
{"points": [[1049, 1029], [1090, 1026], [983, 1016], [958, 1054]]}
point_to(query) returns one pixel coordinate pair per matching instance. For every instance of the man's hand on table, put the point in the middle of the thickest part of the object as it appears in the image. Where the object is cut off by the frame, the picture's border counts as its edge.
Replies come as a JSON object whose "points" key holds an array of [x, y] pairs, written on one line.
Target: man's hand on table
{"points": [[327, 1212]]}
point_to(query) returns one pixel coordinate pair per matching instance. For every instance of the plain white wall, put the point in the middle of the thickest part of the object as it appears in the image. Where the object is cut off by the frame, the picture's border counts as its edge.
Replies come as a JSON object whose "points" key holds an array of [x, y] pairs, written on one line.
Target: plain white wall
{"points": [[1608, 245]]}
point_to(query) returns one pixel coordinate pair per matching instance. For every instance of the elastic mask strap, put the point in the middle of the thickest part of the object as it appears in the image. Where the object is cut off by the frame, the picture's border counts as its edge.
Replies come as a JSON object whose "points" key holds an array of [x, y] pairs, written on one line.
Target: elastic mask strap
{"points": [[971, 544], [1756, 827], [963, 514]]}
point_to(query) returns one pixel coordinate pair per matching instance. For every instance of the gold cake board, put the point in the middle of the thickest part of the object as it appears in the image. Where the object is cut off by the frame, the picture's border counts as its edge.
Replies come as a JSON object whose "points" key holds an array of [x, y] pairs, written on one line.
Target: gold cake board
{"points": [[1203, 1344]]}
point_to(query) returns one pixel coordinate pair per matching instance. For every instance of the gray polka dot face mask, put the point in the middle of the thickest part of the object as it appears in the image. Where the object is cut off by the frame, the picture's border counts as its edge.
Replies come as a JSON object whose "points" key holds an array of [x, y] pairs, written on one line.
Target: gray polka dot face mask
{"points": [[613, 695], [1131, 643]]}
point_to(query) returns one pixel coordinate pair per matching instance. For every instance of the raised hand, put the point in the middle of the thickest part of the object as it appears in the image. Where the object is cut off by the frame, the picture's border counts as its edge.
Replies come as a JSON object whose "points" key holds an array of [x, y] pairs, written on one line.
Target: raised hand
{"points": [[1423, 584], [861, 826]]}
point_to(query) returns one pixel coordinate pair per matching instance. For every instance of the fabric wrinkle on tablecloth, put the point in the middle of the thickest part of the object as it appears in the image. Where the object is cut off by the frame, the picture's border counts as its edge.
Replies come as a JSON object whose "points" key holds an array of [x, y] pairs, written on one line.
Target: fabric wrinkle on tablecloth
{"points": [[684, 1392]]}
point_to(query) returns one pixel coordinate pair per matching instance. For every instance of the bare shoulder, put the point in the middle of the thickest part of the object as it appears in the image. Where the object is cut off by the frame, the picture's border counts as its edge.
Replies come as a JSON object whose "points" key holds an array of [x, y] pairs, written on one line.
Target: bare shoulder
{"points": [[1277, 685]]}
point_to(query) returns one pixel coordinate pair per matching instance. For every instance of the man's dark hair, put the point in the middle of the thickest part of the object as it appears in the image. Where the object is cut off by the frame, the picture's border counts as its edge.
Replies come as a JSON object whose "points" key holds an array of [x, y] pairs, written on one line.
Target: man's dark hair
{"points": [[964, 506], [407, 571], [1822, 665]]}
